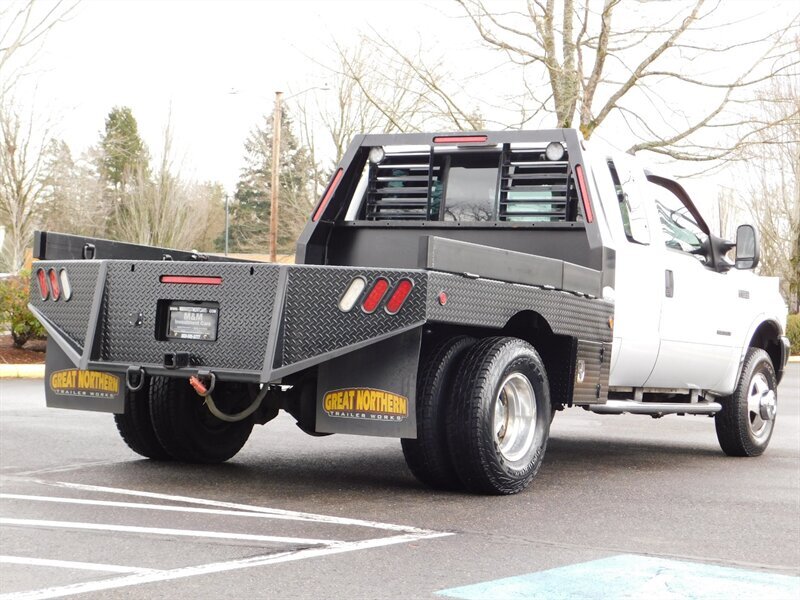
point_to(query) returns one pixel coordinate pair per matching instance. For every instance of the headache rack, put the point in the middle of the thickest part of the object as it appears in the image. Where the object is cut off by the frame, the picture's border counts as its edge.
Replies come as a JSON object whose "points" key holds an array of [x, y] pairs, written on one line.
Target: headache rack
{"points": [[512, 183]]}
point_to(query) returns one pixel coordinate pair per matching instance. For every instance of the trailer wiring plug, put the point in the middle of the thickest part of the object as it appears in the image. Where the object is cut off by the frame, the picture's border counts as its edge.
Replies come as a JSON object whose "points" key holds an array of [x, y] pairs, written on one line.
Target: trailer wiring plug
{"points": [[205, 393]]}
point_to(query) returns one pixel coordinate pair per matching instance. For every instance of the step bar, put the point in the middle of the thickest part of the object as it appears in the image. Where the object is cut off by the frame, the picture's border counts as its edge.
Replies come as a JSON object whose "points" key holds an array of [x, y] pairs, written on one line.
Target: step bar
{"points": [[655, 409]]}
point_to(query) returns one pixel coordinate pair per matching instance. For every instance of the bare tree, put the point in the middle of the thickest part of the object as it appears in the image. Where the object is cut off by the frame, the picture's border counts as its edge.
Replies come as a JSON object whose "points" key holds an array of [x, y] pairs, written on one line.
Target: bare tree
{"points": [[23, 28], [22, 185], [773, 195], [160, 210]]}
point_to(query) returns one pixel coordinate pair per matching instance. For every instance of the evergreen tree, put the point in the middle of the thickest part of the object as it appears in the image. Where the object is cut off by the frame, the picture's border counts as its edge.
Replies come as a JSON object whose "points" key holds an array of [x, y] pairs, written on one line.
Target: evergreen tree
{"points": [[123, 151], [250, 210]]}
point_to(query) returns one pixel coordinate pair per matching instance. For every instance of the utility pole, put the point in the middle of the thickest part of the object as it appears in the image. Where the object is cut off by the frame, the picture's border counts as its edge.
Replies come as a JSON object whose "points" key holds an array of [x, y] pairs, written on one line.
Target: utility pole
{"points": [[276, 150]]}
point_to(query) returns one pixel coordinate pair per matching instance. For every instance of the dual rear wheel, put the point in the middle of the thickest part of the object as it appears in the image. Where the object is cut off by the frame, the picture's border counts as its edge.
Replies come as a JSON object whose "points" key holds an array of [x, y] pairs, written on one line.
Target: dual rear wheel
{"points": [[167, 420], [483, 416]]}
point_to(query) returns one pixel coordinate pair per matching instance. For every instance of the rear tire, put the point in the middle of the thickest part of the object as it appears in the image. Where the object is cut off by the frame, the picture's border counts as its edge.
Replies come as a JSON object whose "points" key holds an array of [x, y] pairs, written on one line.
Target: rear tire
{"points": [[136, 427], [747, 419], [500, 416], [428, 456], [185, 427]]}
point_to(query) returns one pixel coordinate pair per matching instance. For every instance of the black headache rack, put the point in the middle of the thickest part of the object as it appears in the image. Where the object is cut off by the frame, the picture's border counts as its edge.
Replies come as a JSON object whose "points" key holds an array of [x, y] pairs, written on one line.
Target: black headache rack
{"points": [[255, 322]]}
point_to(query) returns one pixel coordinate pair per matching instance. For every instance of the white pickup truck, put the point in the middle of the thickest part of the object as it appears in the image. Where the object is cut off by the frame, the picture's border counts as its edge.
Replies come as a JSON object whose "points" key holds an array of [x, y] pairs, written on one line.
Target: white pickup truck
{"points": [[451, 289]]}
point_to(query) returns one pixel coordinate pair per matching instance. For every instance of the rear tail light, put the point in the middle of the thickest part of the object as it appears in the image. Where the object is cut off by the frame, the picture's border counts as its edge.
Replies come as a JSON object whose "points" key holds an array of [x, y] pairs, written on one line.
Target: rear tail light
{"points": [[66, 288], [55, 289], [376, 294], [352, 294], [399, 296], [191, 279], [41, 278]]}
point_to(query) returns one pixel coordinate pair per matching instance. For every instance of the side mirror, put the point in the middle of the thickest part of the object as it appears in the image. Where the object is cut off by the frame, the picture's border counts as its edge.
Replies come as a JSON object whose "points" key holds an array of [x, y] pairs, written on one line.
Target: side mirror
{"points": [[746, 247]]}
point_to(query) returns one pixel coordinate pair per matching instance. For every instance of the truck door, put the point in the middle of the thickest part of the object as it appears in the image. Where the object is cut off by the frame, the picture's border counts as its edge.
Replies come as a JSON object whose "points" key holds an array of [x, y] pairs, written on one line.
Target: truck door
{"points": [[637, 284], [696, 341]]}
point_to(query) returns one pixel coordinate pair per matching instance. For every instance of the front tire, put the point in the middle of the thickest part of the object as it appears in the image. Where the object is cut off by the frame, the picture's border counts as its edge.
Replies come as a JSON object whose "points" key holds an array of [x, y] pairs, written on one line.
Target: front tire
{"points": [[747, 419], [185, 427], [500, 416]]}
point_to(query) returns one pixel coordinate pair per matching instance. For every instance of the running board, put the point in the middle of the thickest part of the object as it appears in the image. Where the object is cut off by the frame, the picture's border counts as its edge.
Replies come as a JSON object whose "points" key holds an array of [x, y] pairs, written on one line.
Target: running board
{"points": [[656, 409]]}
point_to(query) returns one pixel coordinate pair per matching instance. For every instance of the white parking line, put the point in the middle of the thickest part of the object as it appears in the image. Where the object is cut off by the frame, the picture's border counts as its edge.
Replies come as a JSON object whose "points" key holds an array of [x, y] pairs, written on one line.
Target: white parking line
{"points": [[405, 535], [288, 514], [245, 563], [72, 564], [166, 531], [141, 505]]}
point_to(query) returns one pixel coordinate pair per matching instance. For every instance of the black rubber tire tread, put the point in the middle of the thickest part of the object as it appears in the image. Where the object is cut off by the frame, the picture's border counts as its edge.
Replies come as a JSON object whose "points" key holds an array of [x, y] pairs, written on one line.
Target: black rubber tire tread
{"points": [[135, 426], [177, 413], [473, 450], [733, 421], [428, 456]]}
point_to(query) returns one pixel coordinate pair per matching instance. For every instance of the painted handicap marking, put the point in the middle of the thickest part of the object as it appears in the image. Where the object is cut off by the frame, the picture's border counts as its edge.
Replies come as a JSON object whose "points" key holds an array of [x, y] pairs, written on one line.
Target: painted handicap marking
{"points": [[629, 577]]}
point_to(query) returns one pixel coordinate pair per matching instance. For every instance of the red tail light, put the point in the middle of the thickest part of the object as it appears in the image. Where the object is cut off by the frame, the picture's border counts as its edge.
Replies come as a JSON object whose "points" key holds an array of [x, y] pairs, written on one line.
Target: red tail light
{"points": [[587, 207], [55, 288], [191, 279], [376, 294], [399, 296], [459, 139], [41, 278], [328, 193]]}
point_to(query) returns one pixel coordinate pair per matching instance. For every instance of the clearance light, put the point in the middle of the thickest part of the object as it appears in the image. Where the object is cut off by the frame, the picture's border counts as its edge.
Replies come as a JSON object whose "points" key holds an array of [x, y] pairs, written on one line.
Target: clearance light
{"points": [[191, 279], [55, 289], [376, 294], [328, 194], [376, 155], [587, 207], [352, 294], [66, 288], [41, 278], [459, 139], [399, 296], [554, 151]]}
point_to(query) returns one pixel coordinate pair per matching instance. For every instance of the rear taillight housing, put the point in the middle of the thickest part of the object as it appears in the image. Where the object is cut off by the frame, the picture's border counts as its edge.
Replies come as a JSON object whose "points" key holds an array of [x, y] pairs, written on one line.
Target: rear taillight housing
{"points": [[352, 294], [41, 279], [66, 287], [399, 296], [55, 288], [375, 295]]}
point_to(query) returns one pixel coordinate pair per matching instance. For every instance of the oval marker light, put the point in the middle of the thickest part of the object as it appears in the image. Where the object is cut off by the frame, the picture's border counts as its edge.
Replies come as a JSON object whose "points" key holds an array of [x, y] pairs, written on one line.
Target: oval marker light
{"points": [[399, 296], [41, 278], [66, 288], [375, 295], [55, 289], [352, 294]]}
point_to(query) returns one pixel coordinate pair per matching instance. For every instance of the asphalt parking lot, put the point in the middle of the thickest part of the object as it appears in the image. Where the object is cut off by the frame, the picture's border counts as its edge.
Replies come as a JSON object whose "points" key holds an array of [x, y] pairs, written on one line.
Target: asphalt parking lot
{"points": [[624, 506]]}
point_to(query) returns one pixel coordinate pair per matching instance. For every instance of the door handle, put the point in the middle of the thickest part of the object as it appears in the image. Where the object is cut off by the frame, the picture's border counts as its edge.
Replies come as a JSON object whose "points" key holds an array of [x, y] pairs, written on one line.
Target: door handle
{"points": [[669, 284]]}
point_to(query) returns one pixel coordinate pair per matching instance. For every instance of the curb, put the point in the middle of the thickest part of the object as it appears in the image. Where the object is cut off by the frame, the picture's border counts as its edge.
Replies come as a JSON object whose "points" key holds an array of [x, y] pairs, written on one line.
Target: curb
{"points": [[35, 371], [794, 359]]}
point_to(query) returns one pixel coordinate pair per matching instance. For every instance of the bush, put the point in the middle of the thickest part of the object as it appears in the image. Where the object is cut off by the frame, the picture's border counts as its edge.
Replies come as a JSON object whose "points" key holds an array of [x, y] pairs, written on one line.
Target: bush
{"points": [[14, 312], [793, 332]]}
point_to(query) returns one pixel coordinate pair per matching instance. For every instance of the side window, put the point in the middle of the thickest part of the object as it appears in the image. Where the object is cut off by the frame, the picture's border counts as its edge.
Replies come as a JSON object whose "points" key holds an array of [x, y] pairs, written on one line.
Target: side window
{"points": [[681, 231], [634, 217]]}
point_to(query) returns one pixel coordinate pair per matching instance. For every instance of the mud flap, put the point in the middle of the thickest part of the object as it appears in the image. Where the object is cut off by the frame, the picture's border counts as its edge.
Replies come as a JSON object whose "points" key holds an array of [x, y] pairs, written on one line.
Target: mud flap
{"points": [[69, 387], [371, 391]]}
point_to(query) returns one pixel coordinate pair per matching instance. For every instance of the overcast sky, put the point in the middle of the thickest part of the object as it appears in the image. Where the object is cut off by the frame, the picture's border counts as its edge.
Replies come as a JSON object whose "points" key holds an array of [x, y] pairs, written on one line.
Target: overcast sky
{"points": [[153, 55]]}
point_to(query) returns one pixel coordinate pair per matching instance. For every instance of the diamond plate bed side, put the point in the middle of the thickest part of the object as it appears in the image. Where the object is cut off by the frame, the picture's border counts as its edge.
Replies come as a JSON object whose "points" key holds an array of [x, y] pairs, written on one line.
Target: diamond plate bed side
{"points": [[489, 303]]}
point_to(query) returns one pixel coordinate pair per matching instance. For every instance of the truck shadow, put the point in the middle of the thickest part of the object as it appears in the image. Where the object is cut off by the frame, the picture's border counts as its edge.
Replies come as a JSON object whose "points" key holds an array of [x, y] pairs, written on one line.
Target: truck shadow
{"points": [[380, 471]]}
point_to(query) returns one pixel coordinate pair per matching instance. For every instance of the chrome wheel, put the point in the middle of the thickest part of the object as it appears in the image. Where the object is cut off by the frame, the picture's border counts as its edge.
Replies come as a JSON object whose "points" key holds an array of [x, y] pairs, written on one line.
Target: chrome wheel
{"points": [[514, 422], [761, 407]]}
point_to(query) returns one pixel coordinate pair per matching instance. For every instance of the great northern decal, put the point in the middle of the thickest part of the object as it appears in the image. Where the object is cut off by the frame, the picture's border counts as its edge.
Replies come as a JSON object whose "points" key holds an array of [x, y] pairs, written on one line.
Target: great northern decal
{"points": [[365, 403]]}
